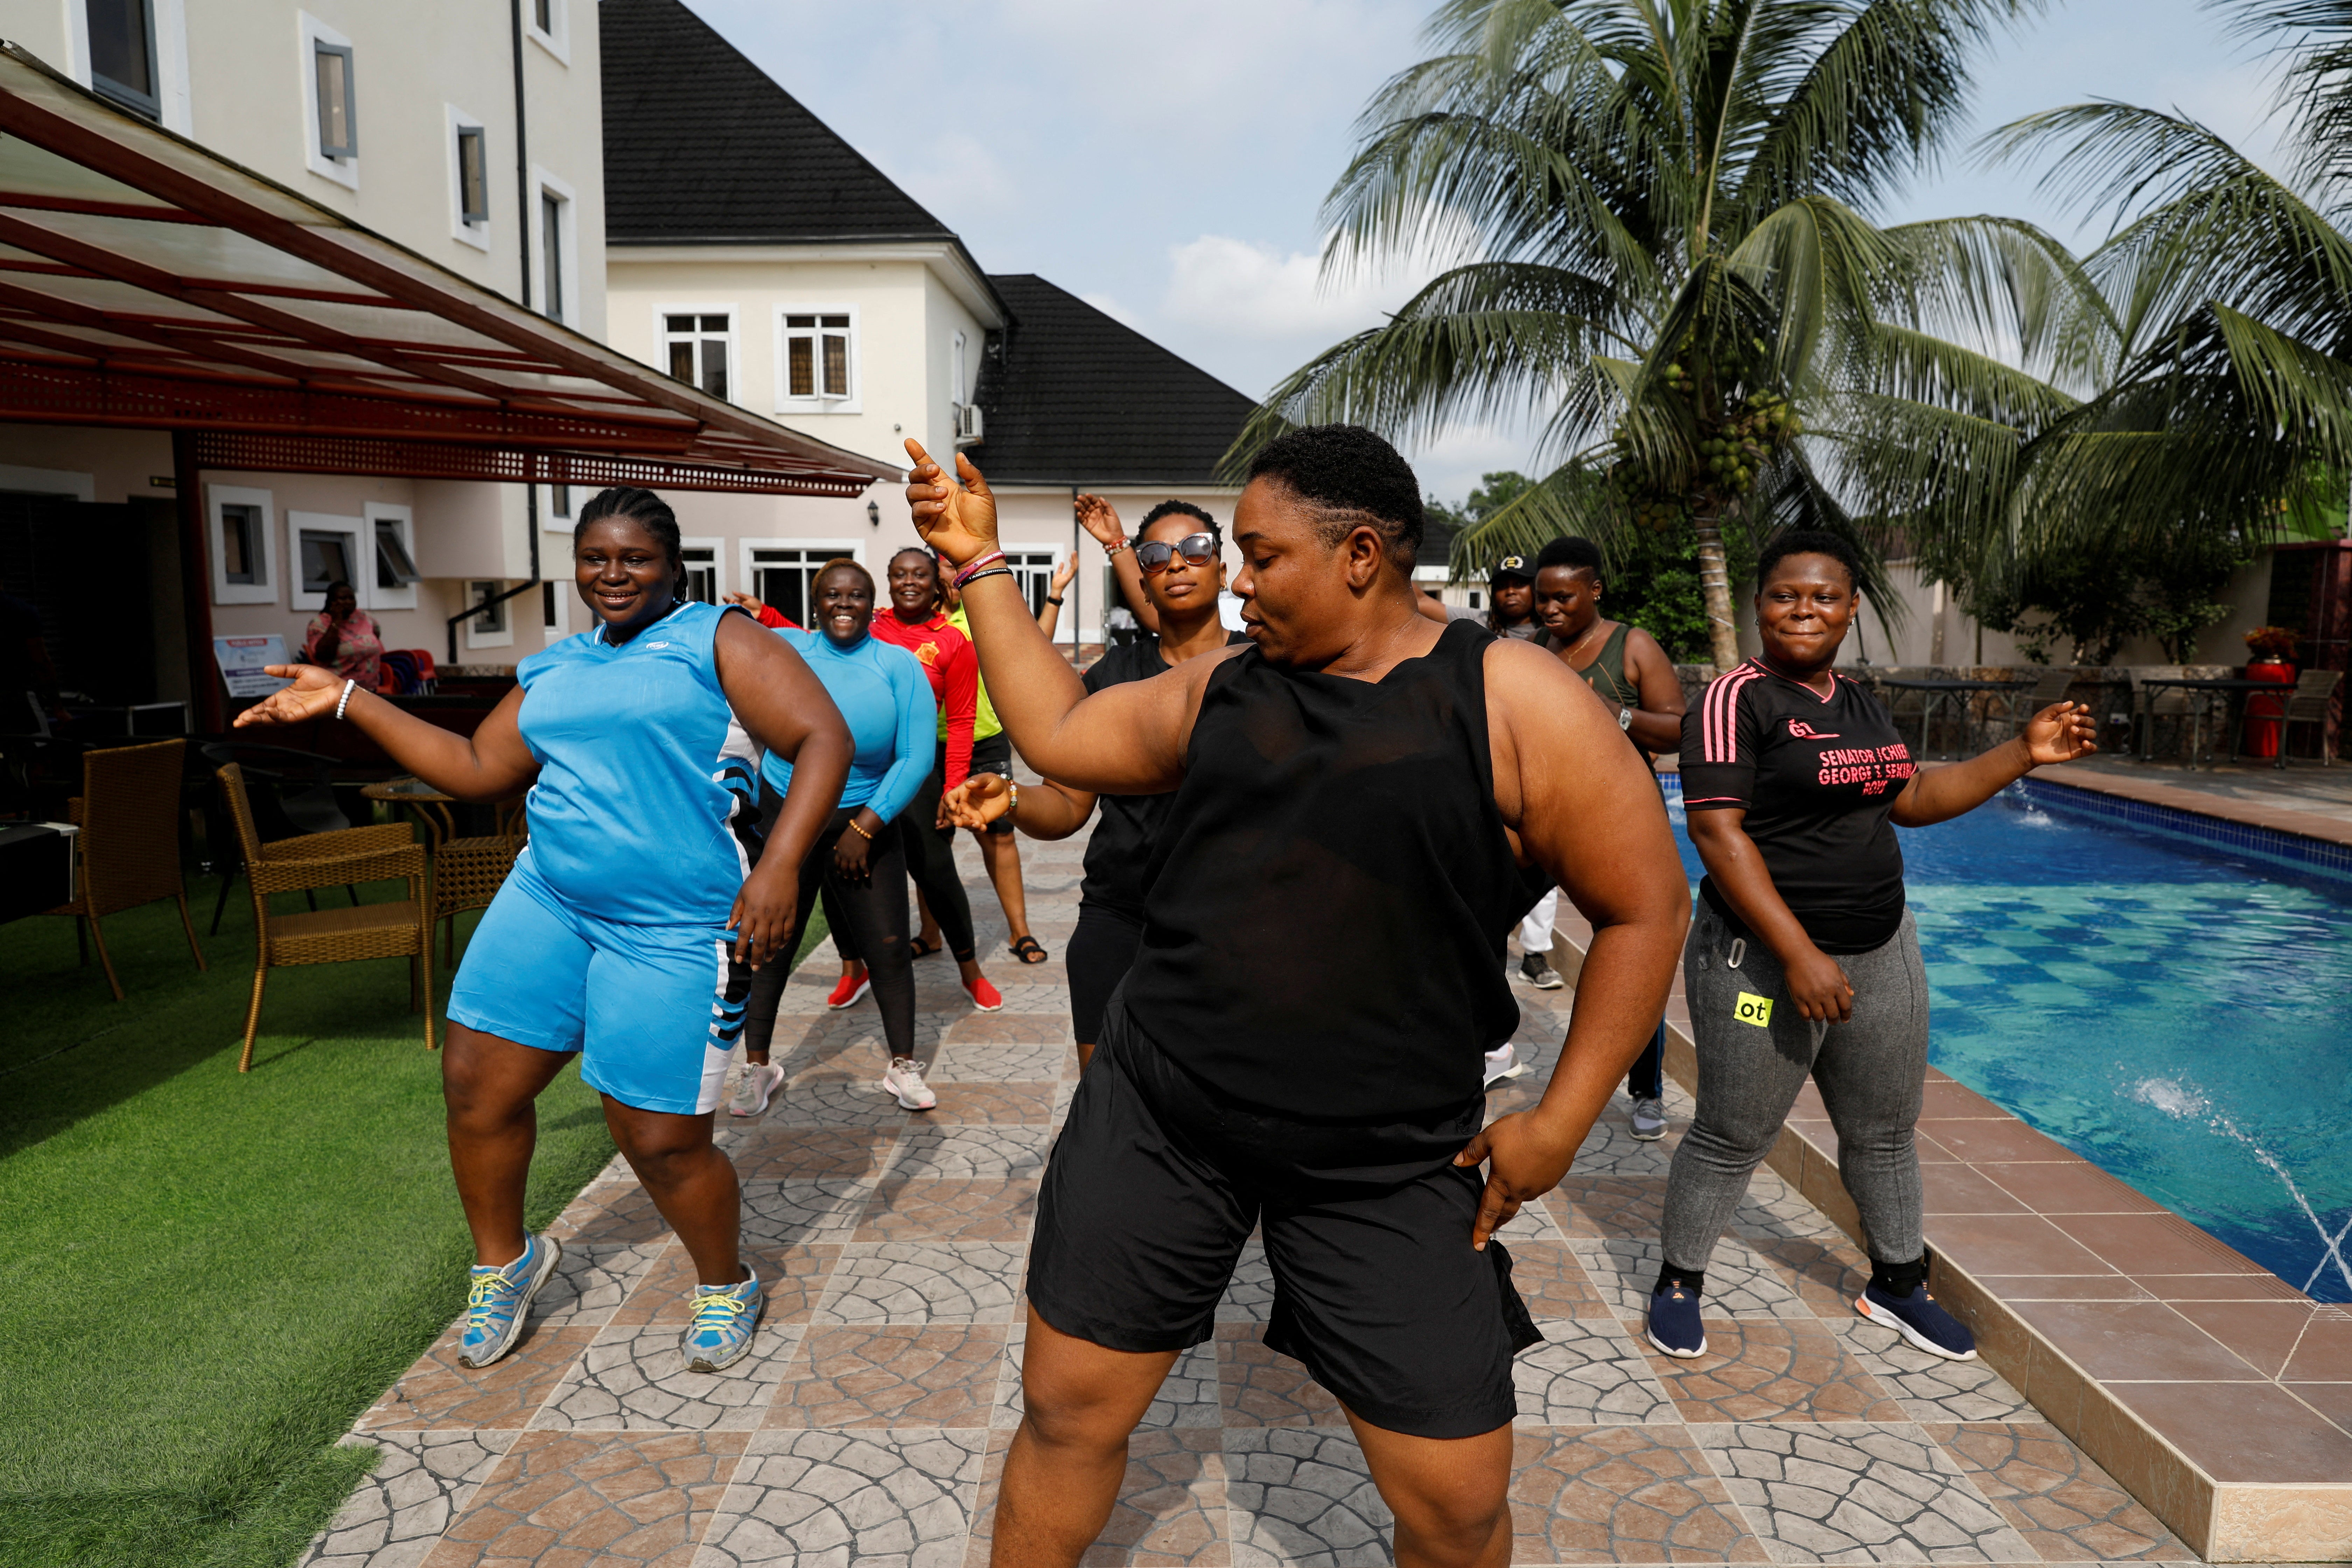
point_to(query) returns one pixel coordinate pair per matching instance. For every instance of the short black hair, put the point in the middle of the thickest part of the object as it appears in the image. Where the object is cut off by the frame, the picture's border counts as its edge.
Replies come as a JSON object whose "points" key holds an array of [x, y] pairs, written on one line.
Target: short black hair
{"points": [[1180, 509], [1351, 478], [1809, 542], [649, 512], [844, 564], [1576, 554]]}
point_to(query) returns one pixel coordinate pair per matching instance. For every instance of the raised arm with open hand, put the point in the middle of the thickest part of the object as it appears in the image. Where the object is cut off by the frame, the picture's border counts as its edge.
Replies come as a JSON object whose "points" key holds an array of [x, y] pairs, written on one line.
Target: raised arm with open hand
{"points": [[492, 764], [1101, 519]]}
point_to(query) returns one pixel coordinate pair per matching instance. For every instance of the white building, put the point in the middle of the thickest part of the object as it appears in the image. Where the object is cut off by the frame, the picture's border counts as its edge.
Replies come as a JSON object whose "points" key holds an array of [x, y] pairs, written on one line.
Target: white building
{"points": [[751, 251], [340, 267]]}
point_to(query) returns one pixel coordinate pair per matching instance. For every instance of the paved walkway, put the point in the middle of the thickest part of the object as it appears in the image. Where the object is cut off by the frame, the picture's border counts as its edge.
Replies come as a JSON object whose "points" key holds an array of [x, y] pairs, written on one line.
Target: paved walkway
{"points": [[868, 1425], [2245, 791]]}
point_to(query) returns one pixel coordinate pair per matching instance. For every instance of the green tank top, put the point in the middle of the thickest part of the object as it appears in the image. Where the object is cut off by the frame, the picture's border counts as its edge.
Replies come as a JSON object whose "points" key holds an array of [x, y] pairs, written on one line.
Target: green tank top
{"points": [[1606, 673]]}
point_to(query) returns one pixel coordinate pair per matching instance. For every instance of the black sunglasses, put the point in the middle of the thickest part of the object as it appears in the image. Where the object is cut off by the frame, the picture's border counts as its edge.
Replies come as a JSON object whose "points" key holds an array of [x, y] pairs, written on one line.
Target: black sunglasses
{"points": [[1154, 555]]}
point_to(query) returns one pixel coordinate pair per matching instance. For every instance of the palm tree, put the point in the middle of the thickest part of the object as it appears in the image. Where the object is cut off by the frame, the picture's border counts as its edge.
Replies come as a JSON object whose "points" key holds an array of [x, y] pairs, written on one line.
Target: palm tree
{"points": [[2212, 343], [1659, 209]]}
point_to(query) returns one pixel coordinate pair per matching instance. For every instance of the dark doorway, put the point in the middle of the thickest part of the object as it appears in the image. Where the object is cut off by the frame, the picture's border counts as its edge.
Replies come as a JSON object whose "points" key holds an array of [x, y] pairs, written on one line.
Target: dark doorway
{"points": [[85, 568]]}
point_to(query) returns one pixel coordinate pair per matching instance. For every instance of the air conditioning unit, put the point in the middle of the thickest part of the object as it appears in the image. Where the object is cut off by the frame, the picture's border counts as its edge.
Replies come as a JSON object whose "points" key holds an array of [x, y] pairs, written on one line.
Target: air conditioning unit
{"points": [[968, 424]]}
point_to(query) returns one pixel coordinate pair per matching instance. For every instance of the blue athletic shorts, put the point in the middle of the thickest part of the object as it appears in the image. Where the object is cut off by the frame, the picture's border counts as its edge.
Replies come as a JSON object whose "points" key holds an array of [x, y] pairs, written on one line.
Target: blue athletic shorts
{"points": [[656, 1010]]}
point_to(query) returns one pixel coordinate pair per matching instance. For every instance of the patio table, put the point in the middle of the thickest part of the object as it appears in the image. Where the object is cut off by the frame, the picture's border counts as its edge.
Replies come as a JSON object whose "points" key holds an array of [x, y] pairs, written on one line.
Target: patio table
{"points": [[36, 868], [1938, 692], [2226, 688], [429, 805]]}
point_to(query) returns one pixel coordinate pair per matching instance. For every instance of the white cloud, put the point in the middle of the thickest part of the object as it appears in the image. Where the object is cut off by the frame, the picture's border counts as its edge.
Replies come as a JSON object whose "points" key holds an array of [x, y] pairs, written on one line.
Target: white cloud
{"points": [[1230, 287]]}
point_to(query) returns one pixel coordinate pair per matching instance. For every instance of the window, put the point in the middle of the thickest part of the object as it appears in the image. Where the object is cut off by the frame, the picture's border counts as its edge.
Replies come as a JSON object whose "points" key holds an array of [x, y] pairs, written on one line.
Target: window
{"points": [[338, 127], [701, 573], [394, 580], [558, 502], [550, 251], [543, 15], [552, 604], [962, 389], [1033, 570], [487, 626], [122, 53], [326, 559], [816, 353], [549, 28], [473, 175], [322, 549], [240, 522], [780, 571], [696, 348]]}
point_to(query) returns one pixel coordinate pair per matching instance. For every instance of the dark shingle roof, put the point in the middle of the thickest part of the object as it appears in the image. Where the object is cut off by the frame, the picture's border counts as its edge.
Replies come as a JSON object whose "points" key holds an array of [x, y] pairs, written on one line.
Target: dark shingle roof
{"points": [[701, 146], [1071, 397]]}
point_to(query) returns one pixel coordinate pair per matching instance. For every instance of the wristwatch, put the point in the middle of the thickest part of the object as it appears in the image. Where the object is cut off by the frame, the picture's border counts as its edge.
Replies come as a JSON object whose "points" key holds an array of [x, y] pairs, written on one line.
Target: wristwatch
{"points": [[1625, 719]]}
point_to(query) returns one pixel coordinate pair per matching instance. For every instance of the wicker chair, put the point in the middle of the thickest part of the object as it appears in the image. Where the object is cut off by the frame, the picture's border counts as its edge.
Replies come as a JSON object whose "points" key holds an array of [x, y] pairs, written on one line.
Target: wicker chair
{"points": [[396, 930], [469, 872], [129, 814], [2307, 704]]}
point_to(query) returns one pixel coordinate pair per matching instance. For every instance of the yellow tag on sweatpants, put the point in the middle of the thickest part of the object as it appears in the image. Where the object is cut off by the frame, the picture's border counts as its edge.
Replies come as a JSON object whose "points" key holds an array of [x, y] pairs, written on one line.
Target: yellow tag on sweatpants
{"points": [[1753, 1009]]}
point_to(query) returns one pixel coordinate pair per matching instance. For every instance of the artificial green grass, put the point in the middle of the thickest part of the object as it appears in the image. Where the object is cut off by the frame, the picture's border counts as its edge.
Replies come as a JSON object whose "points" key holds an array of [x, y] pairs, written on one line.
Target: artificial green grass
{"points": [[206, 1276]]}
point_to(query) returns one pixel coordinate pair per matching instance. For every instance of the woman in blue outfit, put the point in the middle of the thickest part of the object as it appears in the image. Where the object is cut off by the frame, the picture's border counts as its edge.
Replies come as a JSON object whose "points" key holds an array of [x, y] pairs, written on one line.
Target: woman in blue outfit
{"points": [[632, 924], [885, 697]]}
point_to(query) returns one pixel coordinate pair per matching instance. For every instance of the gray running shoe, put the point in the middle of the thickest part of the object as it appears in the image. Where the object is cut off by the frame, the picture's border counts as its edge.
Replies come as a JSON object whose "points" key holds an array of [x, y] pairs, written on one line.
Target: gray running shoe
{"points": [[497, 1301], [1649, 1119], [1538, 972]]}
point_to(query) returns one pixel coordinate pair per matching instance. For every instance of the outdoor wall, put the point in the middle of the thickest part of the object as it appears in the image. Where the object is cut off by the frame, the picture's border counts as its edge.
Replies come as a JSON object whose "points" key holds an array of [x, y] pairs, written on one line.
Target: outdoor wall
{"points": [[237, 79], [904, 316], [2247, 593], [98, 464]]}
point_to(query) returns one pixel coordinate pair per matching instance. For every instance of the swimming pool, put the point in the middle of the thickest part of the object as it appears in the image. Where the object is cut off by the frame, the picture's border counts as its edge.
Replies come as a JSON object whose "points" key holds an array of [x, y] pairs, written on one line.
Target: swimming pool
{"points": [[2178, 1014]]}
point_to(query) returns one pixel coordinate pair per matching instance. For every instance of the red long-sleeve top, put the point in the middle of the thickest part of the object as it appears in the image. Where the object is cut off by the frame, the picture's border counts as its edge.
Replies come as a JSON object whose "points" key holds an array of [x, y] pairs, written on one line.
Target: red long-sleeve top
{"points": [[948, 658]]}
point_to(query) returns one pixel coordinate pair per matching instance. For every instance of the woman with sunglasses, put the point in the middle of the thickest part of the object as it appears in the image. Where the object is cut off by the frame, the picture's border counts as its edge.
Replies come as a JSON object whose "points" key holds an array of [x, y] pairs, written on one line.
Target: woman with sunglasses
{"points": [[1178, 574]]}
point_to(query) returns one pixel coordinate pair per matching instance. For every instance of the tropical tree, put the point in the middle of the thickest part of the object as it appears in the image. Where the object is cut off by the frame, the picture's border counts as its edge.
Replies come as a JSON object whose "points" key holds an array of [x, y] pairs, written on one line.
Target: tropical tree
{"points": [[1657, 217]]}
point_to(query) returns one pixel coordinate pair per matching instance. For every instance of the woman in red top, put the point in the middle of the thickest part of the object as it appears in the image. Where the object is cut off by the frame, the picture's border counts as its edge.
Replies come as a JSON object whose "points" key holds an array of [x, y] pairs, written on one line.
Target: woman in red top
{"points": [[914, 623]]}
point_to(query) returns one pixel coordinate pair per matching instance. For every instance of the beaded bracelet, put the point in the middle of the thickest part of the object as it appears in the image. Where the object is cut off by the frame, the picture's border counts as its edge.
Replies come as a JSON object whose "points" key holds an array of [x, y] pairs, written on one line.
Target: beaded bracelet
{"points": [[859, 831], [345, 700], [971, 568]]}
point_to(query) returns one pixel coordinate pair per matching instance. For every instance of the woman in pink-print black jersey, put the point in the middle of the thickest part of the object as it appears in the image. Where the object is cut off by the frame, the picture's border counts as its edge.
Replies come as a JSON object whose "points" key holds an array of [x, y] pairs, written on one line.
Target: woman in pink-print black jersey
{"points": [[1802, 960]]}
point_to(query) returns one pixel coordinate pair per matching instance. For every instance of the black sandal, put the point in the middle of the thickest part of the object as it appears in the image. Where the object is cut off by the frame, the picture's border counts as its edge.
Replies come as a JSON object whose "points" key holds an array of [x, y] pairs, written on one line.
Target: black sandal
{"points": [[918, 948], [1027, 950]]}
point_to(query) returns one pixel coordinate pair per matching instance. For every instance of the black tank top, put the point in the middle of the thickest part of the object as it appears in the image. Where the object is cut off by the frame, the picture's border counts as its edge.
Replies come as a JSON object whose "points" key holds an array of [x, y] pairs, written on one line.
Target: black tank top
{"points": [[1330, 891]]}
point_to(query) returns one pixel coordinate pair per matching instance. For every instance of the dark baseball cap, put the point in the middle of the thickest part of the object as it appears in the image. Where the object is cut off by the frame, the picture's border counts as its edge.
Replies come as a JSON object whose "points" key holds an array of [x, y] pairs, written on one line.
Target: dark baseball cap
{"points": [[1512, 566]]}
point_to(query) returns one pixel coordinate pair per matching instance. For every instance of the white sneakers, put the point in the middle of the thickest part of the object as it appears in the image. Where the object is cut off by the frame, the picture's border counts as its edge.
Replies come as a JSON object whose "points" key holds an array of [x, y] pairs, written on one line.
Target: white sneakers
{"points": [[1502, 1062], [753, 1085], [905, 1080]]}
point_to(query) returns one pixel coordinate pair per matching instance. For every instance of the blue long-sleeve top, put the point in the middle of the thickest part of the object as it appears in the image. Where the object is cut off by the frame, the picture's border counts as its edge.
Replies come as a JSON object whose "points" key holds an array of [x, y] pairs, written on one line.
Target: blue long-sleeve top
{"points": [[885, 697]]}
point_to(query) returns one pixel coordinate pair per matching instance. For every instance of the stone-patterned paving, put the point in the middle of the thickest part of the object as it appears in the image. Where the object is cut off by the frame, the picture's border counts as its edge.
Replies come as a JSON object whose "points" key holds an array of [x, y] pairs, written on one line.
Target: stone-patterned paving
{"points": [[869, 1427]]}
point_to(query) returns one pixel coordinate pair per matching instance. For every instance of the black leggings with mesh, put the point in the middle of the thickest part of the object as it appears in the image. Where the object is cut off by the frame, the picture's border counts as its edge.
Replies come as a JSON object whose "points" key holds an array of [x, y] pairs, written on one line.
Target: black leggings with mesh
{"points": [[930, 862], [875, 910]]}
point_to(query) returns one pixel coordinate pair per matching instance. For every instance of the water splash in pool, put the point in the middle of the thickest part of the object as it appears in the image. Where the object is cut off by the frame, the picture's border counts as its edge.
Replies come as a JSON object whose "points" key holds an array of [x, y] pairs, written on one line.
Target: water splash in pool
{"points": [[2180, 1102]]}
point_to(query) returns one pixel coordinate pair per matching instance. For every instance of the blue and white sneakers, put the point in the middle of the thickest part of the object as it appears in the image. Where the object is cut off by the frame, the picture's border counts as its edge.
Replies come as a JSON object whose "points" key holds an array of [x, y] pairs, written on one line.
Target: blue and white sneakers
{"points": [[497, 1301], [1918, 1319], [723, 1319], [1673, 1323]]}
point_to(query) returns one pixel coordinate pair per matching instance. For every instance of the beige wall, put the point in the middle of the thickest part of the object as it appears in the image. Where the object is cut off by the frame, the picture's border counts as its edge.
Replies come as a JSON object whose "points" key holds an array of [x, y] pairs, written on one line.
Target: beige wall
{"points": [[234, 75], [2247, 593]]}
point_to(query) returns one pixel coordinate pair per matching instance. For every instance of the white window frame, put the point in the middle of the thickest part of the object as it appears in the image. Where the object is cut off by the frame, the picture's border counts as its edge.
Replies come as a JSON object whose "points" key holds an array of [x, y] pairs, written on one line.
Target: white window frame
{"points": [[344, 171], [476, 638], [567, 243], [374, 595], [560, 627], [956, 369], [1021, 570], [477, 235], [556, 39], [717, 545], [358, 529], [555, 521], [786, 402], [853, 548], [224, 591], [14, 480], [733, 334]]}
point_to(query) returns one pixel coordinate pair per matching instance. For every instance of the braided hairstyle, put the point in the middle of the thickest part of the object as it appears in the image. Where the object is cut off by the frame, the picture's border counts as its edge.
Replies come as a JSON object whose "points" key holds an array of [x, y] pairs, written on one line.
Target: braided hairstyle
{"points": [[649, 512]]}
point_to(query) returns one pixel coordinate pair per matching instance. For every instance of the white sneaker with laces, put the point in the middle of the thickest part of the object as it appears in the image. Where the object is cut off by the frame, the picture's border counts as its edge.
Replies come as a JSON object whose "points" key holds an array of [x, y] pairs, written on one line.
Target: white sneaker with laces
{"points": [[905, 1080], [753, 1085], [1502, 1062]]}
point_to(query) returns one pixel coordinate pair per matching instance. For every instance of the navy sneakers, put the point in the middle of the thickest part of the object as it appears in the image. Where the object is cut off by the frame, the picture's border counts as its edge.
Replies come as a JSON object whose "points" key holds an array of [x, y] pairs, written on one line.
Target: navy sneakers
{"points": [[1673, 1323], [1916, 1318]]}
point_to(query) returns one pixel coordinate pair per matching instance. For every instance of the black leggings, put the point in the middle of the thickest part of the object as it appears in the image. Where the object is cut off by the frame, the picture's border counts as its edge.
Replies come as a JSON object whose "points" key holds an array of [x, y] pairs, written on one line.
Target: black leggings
{"points": [[875, 909], [930, 862], [1097, 956]]}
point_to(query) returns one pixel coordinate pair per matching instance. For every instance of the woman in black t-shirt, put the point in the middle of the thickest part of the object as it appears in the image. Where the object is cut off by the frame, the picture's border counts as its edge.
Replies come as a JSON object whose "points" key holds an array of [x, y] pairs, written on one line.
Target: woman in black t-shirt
{"points": [[1802, 960], [1178, 554]]}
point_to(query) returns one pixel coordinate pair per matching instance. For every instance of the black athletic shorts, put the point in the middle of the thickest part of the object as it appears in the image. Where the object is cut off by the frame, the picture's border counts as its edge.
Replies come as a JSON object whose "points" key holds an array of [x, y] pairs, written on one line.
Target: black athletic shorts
{"points": [[1153, 1187], [1097, 956], [995, 755]]}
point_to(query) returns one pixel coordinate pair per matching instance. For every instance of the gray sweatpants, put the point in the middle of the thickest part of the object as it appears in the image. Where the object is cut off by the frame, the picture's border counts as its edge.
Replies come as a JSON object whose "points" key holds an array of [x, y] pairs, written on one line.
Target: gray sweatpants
{"points": [[1752, 1062]]}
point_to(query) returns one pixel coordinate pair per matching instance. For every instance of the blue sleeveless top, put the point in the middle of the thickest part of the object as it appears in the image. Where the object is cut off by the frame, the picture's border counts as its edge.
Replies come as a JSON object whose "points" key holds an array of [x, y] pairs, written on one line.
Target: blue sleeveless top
{"points": [[646, 808]]}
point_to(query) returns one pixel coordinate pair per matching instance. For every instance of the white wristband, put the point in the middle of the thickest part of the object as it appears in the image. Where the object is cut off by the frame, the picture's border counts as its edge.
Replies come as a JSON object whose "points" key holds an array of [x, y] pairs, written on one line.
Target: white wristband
{"points": [[345, 700]]}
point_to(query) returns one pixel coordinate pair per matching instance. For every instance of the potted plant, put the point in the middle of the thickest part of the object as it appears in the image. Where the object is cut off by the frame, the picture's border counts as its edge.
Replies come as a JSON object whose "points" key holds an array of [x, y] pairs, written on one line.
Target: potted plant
{"points": [[2274, 650]]}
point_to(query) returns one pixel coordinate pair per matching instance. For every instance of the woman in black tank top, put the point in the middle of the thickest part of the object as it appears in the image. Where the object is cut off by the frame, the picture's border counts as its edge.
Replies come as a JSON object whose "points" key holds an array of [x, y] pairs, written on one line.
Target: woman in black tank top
{"points": [[1298, 1049]]}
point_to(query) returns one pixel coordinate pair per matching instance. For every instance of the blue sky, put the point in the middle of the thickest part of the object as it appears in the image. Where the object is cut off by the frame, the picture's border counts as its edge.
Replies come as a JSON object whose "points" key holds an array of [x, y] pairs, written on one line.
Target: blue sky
{"points": [[1167, 161]]}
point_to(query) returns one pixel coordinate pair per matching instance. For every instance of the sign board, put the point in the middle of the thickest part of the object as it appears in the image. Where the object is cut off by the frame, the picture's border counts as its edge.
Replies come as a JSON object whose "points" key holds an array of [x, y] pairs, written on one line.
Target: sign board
{"points": [[241, 660]]}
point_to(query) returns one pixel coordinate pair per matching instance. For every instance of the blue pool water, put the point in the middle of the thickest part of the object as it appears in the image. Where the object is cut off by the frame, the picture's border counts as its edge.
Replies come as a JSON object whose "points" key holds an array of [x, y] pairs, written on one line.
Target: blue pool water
{"points": [[2176, 1014]]}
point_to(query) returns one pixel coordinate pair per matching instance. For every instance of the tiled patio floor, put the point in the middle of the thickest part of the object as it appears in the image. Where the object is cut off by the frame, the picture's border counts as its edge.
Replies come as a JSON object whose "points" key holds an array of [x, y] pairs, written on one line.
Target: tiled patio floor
{"points": [[868, 1426]]}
